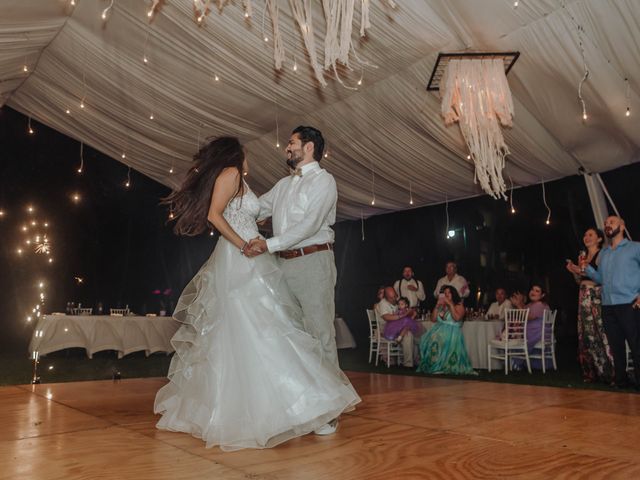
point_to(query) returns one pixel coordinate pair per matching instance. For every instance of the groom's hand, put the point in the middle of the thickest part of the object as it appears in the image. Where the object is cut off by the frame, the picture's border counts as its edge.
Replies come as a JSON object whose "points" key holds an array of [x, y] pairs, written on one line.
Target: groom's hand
{"points": [[257, 246]]}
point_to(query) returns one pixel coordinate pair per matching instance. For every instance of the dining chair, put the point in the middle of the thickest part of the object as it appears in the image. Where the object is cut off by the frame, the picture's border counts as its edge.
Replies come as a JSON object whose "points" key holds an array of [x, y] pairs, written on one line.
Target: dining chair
{"points": [[513, 343]]}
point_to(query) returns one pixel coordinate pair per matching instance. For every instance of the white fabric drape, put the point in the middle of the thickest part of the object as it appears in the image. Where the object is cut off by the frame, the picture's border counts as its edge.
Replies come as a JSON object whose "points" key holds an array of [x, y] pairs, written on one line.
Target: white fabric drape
{"points": [[390, 122], [596, 196]]}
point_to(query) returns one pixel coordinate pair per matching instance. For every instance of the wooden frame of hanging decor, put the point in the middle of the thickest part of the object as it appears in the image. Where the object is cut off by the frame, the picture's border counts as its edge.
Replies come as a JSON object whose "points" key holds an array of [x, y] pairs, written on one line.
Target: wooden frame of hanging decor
{"points": [[509, 58]]}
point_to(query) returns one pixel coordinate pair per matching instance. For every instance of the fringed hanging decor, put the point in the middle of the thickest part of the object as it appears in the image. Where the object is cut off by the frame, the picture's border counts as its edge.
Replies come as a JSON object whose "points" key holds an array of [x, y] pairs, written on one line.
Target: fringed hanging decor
{"points": [[475, 93]]}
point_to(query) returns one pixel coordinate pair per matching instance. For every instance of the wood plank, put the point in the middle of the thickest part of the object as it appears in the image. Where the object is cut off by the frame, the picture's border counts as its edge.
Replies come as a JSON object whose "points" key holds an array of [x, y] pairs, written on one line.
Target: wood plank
{"points": [[407, 427]]}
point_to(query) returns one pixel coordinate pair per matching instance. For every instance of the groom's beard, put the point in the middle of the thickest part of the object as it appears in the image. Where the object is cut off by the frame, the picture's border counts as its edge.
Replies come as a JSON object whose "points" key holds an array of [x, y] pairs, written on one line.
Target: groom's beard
{"points": [[294, 160], [611, 233]]}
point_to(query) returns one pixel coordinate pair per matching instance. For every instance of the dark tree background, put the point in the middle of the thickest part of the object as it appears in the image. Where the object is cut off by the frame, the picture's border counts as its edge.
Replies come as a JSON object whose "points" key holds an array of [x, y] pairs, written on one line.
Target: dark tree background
{"points": [[117, 239]]}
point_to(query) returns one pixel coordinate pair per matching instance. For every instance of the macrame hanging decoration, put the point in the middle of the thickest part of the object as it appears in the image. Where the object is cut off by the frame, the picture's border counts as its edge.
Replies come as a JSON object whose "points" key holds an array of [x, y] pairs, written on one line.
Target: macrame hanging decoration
{"points": [[475, 93]]}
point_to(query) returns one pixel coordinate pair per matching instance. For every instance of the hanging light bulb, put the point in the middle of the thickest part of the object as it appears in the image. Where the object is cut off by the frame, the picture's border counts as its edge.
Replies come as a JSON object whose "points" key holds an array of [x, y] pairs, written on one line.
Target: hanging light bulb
{"points": [[67, 111], [266, 39], [151, 117], [628, 112], [171, 170], [106, 11], [73, 3], [277, 144], [216, 78], [584, 116], [515, 4], [123, 155], [82, 103], [25, 69], [295, 65], [145, 59], [246, 14], [170, 215], [513, 210], [373, 201], [150, 13]]}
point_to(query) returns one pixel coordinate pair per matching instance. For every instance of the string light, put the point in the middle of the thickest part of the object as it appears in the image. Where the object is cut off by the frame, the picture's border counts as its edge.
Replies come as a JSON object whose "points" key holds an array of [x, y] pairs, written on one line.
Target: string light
{"points": [[67, 111], [171, 215], [106, 11], [127, 184], [468, 157], [373, 185], [544, 199], [75, 197], [515, 4], [151, 117], [410, 193], [361, 77], [171, 169], [277, 126], [446, 211], [580, 31], [73, 3], [1, 213], [216, 78], [30, 130], [626, 94], [295, 64], [513, 210], [145, 60], [81, 167], [30, 209]]}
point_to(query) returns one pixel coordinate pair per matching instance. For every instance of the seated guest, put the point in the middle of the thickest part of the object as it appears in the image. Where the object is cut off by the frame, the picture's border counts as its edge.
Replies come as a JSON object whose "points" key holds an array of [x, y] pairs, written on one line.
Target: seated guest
{"points": [[442, 348], [386, 311], [396, 330], [410, 288], [497, 309], [453, 279], [537, 305]]}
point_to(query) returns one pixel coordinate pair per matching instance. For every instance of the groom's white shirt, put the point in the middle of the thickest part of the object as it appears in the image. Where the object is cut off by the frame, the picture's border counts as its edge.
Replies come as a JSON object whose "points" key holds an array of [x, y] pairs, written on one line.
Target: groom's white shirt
{"points": [[302, 209]]}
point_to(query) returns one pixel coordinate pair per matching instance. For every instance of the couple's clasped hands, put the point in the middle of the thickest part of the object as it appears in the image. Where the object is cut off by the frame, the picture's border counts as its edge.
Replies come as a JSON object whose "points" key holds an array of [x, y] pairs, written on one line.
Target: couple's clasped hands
{"points": [[255, 247]]}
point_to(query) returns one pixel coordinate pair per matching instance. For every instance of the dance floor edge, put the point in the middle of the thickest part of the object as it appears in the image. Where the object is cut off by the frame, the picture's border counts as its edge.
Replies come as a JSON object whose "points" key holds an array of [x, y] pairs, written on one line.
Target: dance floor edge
{"points": [[406, 427]]}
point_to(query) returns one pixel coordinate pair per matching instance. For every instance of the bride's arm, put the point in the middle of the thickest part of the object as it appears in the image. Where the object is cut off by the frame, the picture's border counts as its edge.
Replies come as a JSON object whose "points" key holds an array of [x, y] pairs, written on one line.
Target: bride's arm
{"points": [[223, 191]]}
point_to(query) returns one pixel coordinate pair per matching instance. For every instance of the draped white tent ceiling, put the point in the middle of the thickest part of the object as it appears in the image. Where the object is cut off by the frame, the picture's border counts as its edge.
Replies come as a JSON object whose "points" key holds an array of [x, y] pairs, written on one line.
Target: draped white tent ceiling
{"points": [[388, 130]]}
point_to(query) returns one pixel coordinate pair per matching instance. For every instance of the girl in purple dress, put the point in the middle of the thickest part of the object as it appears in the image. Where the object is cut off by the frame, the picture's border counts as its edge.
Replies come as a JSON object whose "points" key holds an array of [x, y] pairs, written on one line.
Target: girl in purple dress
{"points": [[537, 305], [397, 329]]}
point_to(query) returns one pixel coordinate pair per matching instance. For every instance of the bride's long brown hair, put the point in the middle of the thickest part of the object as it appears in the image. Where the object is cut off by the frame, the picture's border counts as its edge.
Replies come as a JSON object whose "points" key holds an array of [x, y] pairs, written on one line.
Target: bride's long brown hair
{"points": [[190, 203]]}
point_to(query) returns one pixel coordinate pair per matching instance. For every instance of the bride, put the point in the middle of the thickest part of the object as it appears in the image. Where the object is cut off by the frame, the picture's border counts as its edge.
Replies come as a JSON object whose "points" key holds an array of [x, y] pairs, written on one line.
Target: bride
{"points": [[242, 376]]}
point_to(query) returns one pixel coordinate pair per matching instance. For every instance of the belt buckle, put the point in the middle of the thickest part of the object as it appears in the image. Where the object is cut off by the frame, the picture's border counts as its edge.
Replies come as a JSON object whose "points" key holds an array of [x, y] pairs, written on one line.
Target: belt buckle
{"points": [[301, 252]]}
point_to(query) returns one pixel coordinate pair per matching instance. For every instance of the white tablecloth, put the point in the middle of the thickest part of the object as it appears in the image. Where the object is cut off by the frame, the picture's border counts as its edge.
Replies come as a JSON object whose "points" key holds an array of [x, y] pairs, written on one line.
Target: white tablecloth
{"points": [[344, 339], [103, 332], [477, 335]]}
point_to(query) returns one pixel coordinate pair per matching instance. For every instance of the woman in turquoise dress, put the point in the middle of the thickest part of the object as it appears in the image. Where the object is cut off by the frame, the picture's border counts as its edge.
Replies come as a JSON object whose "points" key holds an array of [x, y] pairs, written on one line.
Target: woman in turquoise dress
{"points": [[442, 348]]}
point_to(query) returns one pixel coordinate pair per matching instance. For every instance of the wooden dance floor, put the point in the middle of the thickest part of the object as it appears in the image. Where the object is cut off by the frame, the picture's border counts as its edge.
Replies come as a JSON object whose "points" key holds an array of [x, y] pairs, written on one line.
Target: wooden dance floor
{"points": [[406, 427]]}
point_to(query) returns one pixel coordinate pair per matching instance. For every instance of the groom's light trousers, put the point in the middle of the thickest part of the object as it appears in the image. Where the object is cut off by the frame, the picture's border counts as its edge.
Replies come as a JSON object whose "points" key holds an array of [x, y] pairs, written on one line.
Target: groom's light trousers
{"points": [[312, 280]]}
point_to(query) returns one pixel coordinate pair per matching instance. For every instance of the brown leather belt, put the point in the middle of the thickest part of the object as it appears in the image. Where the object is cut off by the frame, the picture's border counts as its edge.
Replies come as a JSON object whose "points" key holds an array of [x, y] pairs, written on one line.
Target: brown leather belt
{"points": [[300, 252]]}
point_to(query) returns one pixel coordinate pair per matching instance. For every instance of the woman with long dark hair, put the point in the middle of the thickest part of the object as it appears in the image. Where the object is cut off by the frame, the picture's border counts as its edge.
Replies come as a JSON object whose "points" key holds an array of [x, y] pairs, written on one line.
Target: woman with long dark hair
{"points": [[594, 353], [243, 376]]}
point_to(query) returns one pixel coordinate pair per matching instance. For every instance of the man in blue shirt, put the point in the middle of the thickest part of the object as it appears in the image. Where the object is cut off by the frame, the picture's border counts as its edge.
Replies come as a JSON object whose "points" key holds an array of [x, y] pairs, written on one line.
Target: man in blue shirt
{"points": [[619, 275]]}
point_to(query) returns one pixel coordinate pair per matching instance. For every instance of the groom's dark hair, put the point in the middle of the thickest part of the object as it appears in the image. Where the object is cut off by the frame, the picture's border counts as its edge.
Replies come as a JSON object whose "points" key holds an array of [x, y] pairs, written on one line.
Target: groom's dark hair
{"points": [[310, 134]]}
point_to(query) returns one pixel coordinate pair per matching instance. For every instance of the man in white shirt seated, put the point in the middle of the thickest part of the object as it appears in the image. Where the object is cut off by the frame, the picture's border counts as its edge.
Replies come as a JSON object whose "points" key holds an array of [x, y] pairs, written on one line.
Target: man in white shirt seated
{"points": [[452, 278], [410, 288], [386, 312], [500, 306]]}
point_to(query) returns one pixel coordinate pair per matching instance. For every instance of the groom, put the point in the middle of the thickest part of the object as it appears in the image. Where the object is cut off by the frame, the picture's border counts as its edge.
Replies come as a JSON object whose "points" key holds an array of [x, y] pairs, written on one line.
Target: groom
{"points": [[303, 208]]}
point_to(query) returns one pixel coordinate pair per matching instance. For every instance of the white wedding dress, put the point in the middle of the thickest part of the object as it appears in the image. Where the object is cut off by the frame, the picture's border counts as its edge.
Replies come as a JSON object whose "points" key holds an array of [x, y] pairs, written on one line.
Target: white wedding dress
{"points": [[243, 376]]}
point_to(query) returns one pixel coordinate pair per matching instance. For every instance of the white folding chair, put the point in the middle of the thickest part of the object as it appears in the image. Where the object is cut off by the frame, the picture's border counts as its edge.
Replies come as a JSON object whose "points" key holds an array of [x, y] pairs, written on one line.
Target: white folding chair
{"points": [[118, 311], [373, 334], [514, 342], [391, 348], [547, 344]]}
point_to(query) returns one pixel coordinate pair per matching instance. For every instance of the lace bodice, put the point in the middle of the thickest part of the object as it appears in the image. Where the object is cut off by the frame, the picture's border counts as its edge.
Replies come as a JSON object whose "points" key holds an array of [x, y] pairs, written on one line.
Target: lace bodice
{"points": [[242, 212]]}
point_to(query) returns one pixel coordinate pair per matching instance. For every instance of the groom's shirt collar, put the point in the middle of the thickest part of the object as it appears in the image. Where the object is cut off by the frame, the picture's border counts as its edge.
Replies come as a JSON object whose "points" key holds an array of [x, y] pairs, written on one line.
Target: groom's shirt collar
{"points": [[309, 167]]}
